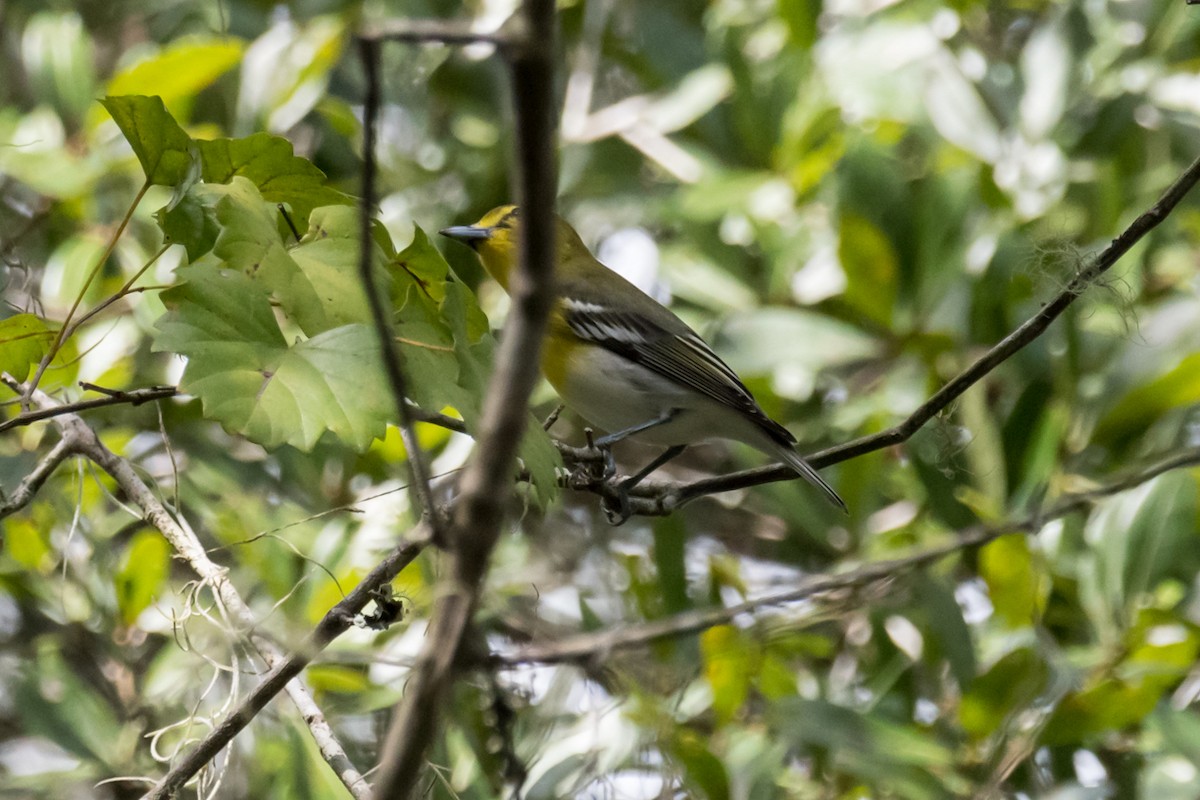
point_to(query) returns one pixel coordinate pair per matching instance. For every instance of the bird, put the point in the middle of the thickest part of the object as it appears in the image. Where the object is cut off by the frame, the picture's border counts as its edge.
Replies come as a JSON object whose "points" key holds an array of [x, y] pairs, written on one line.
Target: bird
{"points": [[629, 365]]}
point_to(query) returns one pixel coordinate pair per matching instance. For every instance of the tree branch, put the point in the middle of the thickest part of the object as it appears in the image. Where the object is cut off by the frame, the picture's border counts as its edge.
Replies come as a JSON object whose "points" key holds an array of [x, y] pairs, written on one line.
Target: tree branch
{"points": [[133, 397], [479, 512], [662, 498], [84, 441], [593, 647], [335, 622], [435, 31], [31, 483]]}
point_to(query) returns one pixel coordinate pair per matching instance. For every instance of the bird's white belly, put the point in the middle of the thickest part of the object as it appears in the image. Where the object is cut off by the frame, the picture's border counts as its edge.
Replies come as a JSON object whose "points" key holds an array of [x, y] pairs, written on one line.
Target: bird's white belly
{"points": [[614, 394]]}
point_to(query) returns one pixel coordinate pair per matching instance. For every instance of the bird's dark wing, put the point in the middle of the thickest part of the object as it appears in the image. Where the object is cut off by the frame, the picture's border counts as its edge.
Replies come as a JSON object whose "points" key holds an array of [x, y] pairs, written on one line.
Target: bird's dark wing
{"points": [[682, 356]]}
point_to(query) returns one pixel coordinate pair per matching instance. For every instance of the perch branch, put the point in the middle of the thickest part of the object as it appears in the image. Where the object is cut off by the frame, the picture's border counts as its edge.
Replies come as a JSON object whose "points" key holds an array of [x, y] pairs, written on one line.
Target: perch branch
{"points": [[662, 498]]}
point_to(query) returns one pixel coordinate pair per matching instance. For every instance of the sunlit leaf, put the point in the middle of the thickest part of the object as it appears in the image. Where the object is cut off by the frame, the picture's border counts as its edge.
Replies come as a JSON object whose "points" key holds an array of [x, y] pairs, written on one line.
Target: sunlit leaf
{"points": [[1016, 584], [180, 70], [729, 665]]}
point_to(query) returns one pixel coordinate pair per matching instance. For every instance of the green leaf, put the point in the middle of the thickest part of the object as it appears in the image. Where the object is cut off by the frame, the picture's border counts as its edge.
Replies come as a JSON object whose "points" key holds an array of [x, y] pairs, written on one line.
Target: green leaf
{"points": [[28, 544], [703, 771], [537, 452], [1139, 537], [730, 662], [337, 678], [871, 266], [872, 748], [59, 61], [269, 163], [180, 70], [143, 573], [1017, 586], [1010, 685], [1143, 405], [316, 283], [24, 340], [670, 535], [947, 632], [328, 257], [1161, 649], [166, 153], [254, 383], [53, 701], [425, 264]]}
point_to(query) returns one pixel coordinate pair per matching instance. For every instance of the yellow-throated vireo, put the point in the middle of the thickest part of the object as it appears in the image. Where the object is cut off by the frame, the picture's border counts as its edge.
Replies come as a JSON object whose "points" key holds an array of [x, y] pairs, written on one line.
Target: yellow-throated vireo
{"points": [[626, 363]]}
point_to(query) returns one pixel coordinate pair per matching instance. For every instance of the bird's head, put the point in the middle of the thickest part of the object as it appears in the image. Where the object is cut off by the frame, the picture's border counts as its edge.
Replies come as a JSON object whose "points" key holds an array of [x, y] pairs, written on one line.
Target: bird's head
{"points": [[496, 238]]}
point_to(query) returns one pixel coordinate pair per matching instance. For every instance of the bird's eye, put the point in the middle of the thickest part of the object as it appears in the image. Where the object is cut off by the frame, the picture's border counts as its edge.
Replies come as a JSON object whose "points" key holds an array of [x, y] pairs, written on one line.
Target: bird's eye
{"points": [[508, 219]]}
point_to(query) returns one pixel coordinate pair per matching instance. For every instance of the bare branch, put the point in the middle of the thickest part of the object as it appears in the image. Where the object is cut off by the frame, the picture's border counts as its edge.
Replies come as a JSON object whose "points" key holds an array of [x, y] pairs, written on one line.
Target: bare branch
{"points": [[84, 441], [436, 418], [392, 359], [435, 31], [479, 512], [29, 486], [662, 498], [591, 647], [133, 397]]}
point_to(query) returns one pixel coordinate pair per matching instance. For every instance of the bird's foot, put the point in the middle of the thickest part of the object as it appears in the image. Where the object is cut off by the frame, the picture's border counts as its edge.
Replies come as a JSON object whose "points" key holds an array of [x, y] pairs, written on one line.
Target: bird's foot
{"points": [[607, 467], [615, 505]]}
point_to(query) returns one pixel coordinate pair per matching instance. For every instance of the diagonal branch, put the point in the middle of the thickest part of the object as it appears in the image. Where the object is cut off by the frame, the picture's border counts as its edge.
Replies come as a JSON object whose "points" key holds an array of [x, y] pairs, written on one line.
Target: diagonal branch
{"points": [[31, 483], [84, 441], [486, 481], [335, 622], [662, 498], [591, 647]]}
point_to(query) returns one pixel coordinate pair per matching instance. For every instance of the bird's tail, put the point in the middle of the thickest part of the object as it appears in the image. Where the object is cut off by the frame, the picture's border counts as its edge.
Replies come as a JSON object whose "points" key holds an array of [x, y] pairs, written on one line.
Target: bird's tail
{"points": [[789, 456]]}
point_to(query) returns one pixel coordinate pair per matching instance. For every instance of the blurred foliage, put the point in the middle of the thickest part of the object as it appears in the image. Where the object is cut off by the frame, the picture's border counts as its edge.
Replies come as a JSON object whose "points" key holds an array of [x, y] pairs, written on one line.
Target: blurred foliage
{"points": [[850, 199]]}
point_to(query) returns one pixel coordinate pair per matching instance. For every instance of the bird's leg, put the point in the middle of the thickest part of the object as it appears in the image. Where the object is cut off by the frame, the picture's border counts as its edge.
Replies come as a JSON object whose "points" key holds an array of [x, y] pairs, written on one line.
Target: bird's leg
{"points": [[587, 470], [622, 511], [661, 419], [604, 443]]}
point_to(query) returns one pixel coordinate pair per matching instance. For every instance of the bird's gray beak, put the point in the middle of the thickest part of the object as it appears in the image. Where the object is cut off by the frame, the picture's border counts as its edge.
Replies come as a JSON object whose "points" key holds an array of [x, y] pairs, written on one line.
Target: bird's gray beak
{"points": [[467, 234]]}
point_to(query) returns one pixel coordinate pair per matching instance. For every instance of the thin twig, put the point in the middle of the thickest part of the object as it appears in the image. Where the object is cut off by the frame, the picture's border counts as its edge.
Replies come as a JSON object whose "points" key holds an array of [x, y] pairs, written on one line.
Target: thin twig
{"points": [[133, 397], [437, 418], [663, 498], [589, 647], [392, 359], [125, 290], [63, 332], [434, 31], [31, 483], [486, 480]]}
